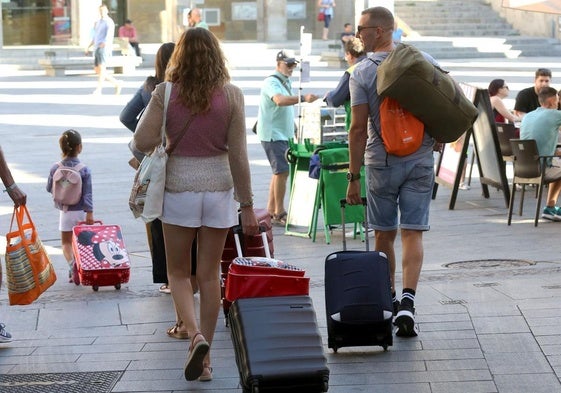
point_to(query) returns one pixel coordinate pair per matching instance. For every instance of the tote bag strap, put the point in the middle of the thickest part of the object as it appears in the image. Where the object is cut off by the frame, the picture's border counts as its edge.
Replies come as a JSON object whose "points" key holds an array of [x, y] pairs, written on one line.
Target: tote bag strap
{"points": [[19, 214], [167, 95]]}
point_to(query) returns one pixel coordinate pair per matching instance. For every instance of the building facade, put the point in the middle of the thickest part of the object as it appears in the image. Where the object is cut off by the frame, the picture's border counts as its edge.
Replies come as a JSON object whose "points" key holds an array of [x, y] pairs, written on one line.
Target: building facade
{"points": [[69, 22]]}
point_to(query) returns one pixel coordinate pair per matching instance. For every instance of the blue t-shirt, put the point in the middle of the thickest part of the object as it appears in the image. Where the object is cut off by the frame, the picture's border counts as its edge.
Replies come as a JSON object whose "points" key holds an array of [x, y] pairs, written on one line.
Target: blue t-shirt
{"points": [[327, 10], [104, 31], [542, 125], [275, 123]]}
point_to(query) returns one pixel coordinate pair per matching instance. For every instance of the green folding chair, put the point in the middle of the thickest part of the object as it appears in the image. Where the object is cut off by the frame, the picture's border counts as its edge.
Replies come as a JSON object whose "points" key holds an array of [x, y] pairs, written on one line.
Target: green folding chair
{"points": [[332, 187]]}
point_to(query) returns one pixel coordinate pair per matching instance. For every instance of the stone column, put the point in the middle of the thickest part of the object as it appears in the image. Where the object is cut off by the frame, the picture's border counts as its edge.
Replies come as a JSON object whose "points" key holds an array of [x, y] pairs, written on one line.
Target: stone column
{"points": [[88, 13], [1, 31], [389, 4], [274, 20]]}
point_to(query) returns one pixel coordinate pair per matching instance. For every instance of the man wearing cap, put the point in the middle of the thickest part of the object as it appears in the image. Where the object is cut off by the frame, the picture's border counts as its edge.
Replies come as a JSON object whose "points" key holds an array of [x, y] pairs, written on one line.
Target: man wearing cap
{"points": [[275, 127]]}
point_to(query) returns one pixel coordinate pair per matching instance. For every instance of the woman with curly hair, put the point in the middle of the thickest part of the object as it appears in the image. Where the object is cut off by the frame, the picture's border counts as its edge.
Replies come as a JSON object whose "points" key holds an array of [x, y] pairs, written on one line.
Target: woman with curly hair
{"points": [[207, 172]]}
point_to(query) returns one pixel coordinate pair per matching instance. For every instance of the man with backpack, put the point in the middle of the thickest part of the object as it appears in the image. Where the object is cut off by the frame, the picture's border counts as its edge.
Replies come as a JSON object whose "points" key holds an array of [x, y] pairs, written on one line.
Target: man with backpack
{"points": [[399, 187]]}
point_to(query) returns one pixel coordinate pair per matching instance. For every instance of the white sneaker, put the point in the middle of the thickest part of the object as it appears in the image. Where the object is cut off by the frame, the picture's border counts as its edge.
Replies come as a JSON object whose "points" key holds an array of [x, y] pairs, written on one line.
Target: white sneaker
{"points": [[5, 337]]}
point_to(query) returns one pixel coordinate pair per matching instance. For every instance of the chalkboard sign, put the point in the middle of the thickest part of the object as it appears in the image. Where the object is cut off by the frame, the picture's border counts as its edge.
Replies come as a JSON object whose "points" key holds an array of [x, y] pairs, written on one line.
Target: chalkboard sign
{"points": [[486, 148], [486, 142]]}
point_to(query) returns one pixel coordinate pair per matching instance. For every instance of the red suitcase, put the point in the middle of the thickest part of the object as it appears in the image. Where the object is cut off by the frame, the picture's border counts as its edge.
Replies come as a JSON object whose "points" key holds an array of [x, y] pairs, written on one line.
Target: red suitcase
{"points": [[100, 255], [250, 245], [251, 277]]}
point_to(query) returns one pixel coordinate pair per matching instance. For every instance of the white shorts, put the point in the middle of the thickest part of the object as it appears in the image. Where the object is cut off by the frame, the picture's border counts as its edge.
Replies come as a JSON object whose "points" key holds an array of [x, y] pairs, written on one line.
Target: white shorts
{"points": [[67, 219], [216, 209]]}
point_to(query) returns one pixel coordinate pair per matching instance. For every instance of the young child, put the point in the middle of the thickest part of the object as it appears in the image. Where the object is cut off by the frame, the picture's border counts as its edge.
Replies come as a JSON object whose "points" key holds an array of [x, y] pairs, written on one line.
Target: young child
{"points": [[71, 146]]}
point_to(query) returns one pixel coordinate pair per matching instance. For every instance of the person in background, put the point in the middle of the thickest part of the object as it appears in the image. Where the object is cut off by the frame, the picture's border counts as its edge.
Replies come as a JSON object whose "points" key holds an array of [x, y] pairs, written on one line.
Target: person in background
{"points": [[399, 189], [347, 34], [70, 143], [196, 19], [129, 31], [498, 90], [275, 127], [527, 99], [19, 198], [326, 6], [398, 33], [102, 41], [207, 173], [543, 125], [354, 54]]}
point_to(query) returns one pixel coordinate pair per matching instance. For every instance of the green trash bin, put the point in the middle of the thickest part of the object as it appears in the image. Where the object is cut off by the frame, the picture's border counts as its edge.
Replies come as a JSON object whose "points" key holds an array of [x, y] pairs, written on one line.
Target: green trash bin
{"points": [[332, 187]]}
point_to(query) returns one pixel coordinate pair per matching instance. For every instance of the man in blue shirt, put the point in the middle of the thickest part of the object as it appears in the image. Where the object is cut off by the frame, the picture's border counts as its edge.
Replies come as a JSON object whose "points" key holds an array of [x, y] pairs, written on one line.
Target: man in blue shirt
{"points": [[102, 41], [275, 127], [543, 125]]}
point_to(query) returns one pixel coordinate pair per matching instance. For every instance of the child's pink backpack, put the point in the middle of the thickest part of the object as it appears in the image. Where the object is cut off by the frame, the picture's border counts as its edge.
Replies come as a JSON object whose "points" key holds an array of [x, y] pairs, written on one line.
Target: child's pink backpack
{"points": [[67, 185]]}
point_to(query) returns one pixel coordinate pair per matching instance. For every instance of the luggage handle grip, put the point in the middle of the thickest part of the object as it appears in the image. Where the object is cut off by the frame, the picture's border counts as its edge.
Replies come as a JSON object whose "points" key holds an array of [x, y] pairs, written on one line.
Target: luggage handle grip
{"points": [[343, 203], [96, 222], [262, 230]]}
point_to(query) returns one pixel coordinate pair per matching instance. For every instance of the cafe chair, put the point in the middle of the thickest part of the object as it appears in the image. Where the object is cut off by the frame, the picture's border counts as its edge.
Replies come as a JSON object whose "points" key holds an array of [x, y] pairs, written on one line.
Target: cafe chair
{"points": [[529, 168], [506, 132]]}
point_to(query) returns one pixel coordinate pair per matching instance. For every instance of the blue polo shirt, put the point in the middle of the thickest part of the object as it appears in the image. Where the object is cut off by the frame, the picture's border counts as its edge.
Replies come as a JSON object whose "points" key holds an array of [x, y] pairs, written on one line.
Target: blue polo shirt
{"points": [[542, 125], [275, 123]]}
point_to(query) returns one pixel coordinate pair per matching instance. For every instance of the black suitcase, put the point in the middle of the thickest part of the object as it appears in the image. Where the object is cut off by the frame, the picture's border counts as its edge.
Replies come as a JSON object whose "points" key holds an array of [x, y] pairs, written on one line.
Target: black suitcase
{"points": [[278, 345], [358, 299]]}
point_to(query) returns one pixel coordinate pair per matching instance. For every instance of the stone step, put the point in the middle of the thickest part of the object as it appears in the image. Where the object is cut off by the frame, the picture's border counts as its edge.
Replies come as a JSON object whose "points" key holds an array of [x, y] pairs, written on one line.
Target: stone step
{"points": [[435, 32], [452, 18]]}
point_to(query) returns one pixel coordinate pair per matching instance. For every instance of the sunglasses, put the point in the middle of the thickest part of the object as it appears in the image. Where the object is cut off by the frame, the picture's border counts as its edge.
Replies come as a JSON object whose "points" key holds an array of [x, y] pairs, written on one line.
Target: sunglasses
{"points": [[290, 65], [360, 28]]}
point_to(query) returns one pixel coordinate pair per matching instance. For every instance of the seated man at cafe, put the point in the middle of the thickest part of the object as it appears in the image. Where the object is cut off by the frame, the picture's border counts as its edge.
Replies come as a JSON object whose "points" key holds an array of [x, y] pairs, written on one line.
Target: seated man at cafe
{"points": [[543, 124]]}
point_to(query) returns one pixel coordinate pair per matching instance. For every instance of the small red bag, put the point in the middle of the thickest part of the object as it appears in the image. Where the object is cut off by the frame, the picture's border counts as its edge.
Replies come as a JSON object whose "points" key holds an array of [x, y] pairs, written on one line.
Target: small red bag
{"points": [[264, 277], [401, 132], [321, 16]]}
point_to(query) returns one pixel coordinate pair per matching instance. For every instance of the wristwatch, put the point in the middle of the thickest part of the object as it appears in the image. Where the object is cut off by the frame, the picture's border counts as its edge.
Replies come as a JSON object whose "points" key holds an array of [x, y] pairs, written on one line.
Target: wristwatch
{"points": [[352, 176]]}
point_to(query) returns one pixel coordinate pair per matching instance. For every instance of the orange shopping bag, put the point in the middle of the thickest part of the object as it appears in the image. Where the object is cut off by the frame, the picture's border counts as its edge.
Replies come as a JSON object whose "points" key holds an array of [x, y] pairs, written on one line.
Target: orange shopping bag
{"points": [[29, 269]]}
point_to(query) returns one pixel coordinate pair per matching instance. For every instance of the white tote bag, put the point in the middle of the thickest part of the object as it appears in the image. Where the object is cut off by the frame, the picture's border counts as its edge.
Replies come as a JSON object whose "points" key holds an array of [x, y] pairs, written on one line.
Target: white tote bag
{"points": [[152, 172]]}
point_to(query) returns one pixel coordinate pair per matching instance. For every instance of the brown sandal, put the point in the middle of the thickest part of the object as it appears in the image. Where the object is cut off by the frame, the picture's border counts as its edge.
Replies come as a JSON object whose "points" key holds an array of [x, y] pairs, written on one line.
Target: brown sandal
{"points": [[174, 332], [206, 376], [194, 366], [279, 219]]}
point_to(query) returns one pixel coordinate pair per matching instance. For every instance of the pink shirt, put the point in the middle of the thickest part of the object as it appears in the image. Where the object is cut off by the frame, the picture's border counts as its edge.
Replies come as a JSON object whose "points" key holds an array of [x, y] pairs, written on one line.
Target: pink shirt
{"points": [[128, 32], [209, 130]]}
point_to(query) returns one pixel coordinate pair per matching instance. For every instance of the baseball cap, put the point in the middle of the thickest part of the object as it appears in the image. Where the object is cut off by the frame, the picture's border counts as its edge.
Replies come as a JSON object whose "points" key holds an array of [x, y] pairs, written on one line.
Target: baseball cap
{"points": [[286, 56]]}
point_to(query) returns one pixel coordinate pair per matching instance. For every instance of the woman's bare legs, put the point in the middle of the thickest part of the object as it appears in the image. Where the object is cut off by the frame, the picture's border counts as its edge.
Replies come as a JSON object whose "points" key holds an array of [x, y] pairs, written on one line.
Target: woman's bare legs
{"points": [[178, 242]]}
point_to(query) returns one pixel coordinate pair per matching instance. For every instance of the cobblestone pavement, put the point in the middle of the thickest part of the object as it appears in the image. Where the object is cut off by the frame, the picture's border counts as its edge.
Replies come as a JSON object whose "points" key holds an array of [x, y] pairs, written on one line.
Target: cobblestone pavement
{"points": [[490, 325]]}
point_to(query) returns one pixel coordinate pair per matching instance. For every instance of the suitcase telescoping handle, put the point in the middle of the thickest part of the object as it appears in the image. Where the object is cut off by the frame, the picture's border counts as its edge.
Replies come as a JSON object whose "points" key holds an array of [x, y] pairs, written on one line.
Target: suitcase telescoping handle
{"points": [[262, 231], [343, 203], [96, 222]]}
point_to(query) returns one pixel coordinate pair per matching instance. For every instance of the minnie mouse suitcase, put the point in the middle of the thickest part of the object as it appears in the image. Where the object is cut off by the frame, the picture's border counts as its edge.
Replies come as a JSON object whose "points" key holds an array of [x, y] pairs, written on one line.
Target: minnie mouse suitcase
{"points": [[100, 255]]}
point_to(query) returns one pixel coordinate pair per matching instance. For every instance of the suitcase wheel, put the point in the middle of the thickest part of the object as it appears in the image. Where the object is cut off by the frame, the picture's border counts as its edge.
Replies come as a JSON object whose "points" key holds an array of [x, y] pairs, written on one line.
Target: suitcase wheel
{"points": [[335, 351], [385, 346], [118, 286], [95, 288]]}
